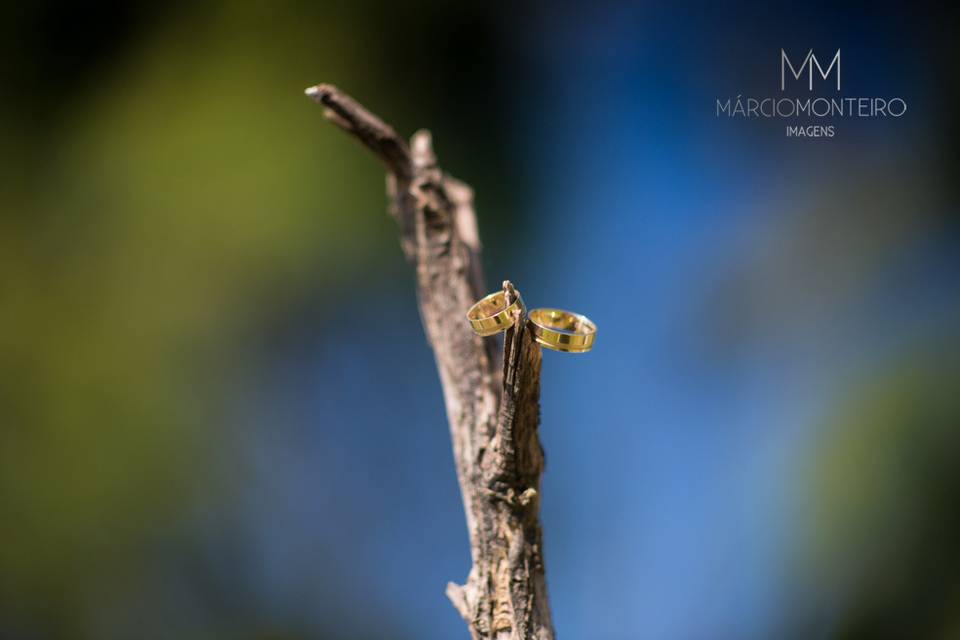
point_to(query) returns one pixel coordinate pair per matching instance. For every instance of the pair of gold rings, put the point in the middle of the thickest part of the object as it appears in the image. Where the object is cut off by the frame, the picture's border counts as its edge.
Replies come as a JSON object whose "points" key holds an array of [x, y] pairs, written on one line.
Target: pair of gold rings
{"points": [[553, 328]]}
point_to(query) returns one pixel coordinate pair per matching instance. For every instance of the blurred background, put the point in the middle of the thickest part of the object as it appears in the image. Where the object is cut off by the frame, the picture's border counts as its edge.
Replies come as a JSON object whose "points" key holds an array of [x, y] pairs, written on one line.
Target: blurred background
{"points": [[219, 417]]}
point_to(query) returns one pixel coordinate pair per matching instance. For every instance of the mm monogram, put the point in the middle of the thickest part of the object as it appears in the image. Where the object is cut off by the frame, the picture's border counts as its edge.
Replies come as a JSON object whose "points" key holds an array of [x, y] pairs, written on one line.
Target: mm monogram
{"points": [[809, 63]]}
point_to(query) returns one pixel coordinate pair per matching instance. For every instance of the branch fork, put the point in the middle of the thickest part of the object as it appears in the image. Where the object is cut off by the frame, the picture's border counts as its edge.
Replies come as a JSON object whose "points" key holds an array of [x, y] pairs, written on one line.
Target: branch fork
{"points": [[492, 398]]}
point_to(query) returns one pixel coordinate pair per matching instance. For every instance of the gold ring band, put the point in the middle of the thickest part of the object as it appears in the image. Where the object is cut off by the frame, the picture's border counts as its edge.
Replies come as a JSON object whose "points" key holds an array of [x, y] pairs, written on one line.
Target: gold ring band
{"points": [[492, 315], [563, 330]]}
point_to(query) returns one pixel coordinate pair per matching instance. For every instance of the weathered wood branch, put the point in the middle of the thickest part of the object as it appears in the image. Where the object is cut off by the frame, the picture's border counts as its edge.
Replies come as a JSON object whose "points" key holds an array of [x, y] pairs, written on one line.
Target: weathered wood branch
{"points": [[492, 399]]}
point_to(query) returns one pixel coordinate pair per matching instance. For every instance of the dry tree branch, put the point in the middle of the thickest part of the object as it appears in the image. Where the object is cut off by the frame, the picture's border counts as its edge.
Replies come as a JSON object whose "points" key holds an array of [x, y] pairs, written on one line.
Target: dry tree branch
{"points": [[492, 400]]}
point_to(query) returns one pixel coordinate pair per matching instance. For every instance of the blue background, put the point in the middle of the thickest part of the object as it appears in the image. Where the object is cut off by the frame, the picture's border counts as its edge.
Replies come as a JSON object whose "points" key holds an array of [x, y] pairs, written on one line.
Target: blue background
{"points": [[224, 419]]}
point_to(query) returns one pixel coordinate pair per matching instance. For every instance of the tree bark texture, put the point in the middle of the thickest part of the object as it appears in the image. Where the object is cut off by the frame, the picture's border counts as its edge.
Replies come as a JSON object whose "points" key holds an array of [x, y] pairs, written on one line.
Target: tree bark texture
{"points": [[492, 398]]}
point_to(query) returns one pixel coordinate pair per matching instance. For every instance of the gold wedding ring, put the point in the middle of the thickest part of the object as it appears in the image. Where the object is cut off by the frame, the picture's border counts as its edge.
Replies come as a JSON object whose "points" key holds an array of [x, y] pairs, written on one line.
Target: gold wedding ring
{"points": [[492, 315], [563, 330]]}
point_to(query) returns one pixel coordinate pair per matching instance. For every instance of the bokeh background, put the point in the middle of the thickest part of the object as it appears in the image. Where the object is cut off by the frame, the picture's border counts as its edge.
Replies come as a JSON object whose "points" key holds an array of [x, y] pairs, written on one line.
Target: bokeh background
{"points": [[219, 417]]}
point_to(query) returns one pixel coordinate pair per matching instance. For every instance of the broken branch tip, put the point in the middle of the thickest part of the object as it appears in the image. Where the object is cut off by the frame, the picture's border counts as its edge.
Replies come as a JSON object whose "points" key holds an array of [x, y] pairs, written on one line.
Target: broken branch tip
{"points": [[319, 92]]}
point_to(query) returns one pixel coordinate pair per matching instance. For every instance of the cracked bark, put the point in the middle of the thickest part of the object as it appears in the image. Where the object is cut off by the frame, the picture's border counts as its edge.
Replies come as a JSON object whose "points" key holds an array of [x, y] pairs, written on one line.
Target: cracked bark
{"points": [[492, 398]]}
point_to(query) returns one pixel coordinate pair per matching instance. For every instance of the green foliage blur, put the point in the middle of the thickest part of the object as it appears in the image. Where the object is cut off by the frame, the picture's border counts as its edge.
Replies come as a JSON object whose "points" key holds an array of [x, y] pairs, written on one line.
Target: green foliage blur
{"points": [[168, 191], [883, 502]]}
